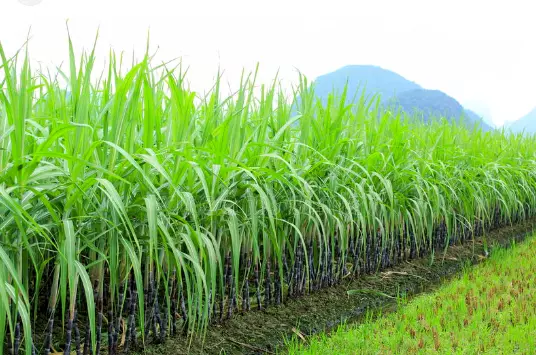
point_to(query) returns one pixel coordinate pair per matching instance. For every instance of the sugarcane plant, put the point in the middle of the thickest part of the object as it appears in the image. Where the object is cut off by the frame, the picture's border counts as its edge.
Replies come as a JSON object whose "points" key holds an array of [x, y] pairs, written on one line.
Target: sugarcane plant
{"points": [[133, 209]]}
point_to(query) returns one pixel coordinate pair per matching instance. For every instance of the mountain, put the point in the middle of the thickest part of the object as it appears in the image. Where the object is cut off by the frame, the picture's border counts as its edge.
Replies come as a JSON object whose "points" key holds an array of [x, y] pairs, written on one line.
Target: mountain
{"points": [[474, 116], [479, 109], [526, 123], [394, 89], [433, 104], [428, 103], [486, 124], [373, 79]]}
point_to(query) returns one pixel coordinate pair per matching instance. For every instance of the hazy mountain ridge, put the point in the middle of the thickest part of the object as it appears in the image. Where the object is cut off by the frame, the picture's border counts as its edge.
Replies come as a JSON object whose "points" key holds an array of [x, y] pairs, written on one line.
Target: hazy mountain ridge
{"points": [[395, 90], [479, 109], [372, 79], [526, 123], [430, 104]]}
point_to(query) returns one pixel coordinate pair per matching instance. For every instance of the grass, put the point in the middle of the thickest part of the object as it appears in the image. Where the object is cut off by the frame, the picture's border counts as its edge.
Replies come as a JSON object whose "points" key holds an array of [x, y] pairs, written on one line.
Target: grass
{"points": [[491, 309], [133, 209]]}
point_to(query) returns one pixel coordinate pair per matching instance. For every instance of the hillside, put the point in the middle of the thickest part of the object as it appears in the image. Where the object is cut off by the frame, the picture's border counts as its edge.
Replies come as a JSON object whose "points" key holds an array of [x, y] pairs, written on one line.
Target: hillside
{"points": [[395, 90], [373, 79], [526, 123], [480, 109], [432, 104], [428, 103], [476, 117]]}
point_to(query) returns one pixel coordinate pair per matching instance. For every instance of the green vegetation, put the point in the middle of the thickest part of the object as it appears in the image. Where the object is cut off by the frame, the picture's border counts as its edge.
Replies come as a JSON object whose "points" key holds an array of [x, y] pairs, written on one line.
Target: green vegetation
{"points": [[133, 208], [489, 310]]}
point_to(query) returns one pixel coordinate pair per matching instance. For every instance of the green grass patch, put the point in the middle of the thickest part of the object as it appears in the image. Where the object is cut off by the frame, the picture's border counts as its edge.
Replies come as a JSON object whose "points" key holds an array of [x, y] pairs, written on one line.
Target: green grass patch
{"points": [[490, 309]]}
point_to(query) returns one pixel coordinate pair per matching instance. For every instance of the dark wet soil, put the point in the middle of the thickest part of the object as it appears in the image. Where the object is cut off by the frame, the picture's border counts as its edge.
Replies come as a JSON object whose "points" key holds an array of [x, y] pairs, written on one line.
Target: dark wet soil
{"points": [[264, 332]]}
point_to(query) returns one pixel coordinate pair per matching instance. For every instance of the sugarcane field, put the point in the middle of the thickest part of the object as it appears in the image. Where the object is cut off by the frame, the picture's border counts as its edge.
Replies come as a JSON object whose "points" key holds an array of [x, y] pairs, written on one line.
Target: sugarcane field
{"points": [[153, 202]]}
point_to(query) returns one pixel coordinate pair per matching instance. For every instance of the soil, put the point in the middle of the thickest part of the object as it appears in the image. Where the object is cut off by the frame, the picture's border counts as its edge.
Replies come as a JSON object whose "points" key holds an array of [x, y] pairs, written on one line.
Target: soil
{"points": [[264, 332]]}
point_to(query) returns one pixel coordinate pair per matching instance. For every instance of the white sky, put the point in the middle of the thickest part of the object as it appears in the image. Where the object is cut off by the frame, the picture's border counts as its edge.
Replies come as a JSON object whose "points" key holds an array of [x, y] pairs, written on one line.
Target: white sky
{"points": [[483, 53]]}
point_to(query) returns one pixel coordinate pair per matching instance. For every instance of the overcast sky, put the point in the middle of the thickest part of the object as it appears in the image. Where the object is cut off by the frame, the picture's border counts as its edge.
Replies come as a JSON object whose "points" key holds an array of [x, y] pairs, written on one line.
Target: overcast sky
{"points": [[483, 53]]}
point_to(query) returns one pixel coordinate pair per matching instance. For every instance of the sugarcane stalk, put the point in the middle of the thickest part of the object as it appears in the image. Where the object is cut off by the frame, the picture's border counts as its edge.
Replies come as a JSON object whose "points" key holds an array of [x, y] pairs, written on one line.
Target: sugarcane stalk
{"points": [[267, 285], [111, 331], [149, 312], [174, 303], [16, 339], [51, 310], [167, 311], [277, 284], [77, 339], [215, 308], [68, 333], [131, 326], [355, 255], [156, 320], [245, 297], [229, 286], [303, 272], [128, 312], [100, 305], [184, 313], [330, 266], [87, 341], [257, 286], [349, 258], [303, 275], [311, 265], [119, 316], [338, 261], [321, 275], [225, 286], [398, 252], [297, 271], [286, 270], [160, 336], [366, 254]]}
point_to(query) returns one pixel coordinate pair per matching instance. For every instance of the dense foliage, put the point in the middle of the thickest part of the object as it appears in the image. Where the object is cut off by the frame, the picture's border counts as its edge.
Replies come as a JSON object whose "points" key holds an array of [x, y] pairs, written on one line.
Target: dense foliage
{"points": [[132, 208]]}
